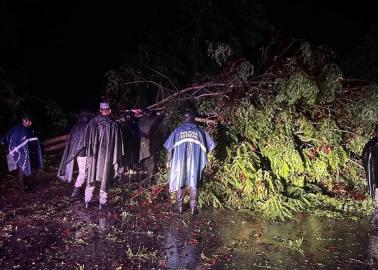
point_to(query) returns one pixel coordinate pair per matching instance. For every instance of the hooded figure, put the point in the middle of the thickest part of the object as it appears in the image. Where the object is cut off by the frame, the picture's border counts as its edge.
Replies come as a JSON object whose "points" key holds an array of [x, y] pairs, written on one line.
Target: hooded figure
{"points": [[104, 146], [188, 146], [24, 151], [75, 150], [370, 162], [131, 141], [150, 140]]}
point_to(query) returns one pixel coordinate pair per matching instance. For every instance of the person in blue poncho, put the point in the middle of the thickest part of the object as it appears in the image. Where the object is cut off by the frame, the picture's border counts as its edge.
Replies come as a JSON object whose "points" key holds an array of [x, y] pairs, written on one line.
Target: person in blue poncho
{"points": [[188, 146], [24, 151]]}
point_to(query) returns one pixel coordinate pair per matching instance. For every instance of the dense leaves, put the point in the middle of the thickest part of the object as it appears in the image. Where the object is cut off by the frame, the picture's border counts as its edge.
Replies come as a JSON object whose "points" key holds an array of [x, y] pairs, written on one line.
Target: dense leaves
{"points": [[290, 145]]}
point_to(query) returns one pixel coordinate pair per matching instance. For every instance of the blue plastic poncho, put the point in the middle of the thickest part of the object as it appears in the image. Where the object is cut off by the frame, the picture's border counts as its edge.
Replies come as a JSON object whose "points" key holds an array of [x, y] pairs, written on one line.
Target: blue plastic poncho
{"points": [[23, 148], [188, 145]]}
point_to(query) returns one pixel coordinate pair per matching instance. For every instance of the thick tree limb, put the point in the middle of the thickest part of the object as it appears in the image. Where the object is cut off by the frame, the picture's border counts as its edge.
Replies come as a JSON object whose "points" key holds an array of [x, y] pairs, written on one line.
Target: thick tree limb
{"points": [[55, 147], [55, 140]]}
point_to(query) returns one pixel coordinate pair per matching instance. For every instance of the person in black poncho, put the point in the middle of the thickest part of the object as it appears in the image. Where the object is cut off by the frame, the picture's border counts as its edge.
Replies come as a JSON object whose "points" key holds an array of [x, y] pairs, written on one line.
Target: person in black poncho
{"points": [[104, 149], [131, 141], [370, 162], [75, 150]]}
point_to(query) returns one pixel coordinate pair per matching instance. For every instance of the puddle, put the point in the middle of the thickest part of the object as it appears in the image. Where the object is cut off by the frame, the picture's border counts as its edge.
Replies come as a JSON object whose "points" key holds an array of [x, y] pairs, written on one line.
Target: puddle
{"points": [[308, 242]]}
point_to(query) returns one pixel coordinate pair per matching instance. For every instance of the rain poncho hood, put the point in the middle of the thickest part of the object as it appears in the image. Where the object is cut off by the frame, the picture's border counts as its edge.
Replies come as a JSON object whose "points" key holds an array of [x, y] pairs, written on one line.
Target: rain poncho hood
{"points": [[23, 148], [188, 146]]}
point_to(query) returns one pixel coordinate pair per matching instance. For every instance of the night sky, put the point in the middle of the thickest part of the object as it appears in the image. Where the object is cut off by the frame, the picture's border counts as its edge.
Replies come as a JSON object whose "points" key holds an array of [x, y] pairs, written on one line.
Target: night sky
{"points": [[64, 47]]}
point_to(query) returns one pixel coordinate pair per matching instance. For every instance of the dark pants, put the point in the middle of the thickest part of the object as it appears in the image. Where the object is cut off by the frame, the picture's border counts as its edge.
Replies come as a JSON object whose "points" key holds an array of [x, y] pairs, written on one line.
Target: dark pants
{"points": [[21, 179], [24, 181], [149, 165]]}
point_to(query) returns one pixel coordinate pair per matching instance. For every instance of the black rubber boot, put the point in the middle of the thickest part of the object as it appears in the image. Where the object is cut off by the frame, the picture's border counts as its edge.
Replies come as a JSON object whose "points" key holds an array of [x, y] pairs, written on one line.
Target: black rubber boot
{"points": [[193, 201], [179, 200], [75, 192], [102, 206], [374, 220]]}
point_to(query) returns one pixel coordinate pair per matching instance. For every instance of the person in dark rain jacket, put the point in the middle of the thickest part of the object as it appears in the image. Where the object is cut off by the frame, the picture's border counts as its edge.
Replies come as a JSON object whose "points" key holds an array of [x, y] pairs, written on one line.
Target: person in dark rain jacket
{"points": [[150, 140], [370, 162], [24, 151], [188, 146], [75, 150], [131, 141]]}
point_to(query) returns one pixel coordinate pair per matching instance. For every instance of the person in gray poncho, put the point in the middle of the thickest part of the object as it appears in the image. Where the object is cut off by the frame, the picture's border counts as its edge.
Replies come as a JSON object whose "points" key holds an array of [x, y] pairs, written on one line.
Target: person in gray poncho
{"points": [[75, 150], [104, 149]]}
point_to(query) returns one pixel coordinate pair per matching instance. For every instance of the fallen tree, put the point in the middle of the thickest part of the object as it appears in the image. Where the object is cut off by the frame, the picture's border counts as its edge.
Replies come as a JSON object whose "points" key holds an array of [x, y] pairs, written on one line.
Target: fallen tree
{"points": [[290, 131]]}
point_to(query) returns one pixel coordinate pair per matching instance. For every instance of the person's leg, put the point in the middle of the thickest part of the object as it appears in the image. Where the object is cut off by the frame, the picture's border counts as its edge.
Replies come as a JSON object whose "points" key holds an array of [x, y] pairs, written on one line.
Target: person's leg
{"points": [[376, 198], [81, 162], [180, 193], [21, 180], [374, 220], [150, 165], [193, 200], [88, 194], [103, 195], [103, 199]]}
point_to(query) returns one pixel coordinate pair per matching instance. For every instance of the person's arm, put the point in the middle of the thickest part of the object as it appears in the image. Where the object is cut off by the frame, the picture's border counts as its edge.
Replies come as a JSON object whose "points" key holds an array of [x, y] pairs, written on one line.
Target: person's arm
{"points": [[210, 143]]}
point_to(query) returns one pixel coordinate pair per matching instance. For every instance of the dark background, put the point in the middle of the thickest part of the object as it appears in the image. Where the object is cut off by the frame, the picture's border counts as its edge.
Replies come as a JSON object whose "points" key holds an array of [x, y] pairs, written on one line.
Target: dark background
{"points": [[61, 50]]}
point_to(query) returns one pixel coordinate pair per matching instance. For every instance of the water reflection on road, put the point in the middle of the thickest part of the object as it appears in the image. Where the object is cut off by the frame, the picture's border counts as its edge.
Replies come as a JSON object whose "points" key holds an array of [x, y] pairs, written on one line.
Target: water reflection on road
{"points": [[182, 252], [308, 242]]}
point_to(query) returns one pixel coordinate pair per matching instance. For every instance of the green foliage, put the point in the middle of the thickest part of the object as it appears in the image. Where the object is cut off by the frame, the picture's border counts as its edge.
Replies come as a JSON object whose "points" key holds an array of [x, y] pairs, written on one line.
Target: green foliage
{"points": [[219, 52], [299, 87], [281, 154], [354, 176], [328, 132], [9, 97], [285, 160], [356, 142], [60, 118], [172, 117], [342, 206], [281, 162], [304, 130], [291, 244], [279, 207], [244, 72], [314, 58], [251, 123], [329, 83], [365, 111]]}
